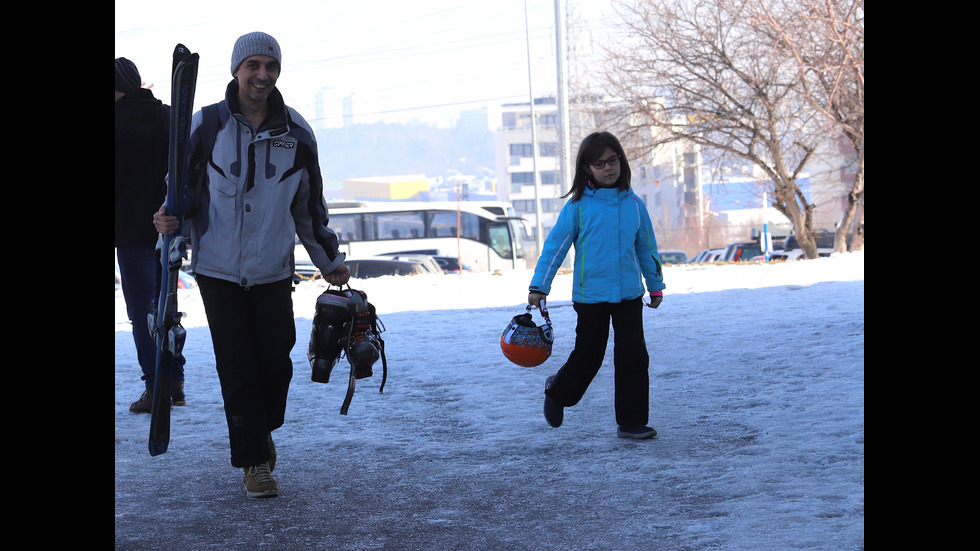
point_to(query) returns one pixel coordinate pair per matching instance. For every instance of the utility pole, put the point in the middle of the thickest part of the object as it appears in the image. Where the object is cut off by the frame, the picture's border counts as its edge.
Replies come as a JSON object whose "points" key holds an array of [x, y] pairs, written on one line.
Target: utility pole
{"points": [[563, 120], [534, 140]]}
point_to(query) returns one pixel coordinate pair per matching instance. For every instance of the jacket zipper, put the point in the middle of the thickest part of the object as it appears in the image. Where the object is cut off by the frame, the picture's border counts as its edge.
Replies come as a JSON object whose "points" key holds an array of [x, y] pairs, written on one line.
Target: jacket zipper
{"points": [[249, 184]]}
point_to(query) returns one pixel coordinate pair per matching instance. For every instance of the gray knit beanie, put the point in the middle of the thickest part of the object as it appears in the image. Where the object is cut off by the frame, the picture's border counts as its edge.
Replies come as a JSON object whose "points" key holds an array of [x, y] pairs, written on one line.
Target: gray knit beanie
{"points": [[127, 77], [256, 43]]}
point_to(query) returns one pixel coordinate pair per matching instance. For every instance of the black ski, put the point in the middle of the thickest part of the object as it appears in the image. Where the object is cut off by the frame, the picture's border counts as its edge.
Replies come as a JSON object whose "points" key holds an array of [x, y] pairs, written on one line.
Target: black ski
{"points": [[172, 249]]}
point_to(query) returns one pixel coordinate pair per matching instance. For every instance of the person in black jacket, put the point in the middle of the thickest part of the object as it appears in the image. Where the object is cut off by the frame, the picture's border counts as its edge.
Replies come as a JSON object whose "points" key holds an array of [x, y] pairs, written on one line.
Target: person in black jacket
{"points": [[142, 151]]}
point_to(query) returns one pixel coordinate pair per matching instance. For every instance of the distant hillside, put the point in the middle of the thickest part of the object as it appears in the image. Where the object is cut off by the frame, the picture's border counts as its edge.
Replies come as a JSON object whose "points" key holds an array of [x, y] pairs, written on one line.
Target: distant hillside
{"points": [[364, 150]]}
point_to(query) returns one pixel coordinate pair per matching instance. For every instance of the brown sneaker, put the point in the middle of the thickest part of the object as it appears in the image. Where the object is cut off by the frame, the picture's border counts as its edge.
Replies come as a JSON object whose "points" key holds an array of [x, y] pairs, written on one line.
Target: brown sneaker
{"points": [[272, 453], [259, 481], [144, 404]]}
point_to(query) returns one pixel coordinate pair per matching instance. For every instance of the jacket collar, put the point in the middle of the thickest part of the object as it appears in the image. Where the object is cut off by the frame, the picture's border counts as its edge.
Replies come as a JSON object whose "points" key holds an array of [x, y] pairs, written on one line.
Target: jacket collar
{"points": [[610, 194], [277, 119]]}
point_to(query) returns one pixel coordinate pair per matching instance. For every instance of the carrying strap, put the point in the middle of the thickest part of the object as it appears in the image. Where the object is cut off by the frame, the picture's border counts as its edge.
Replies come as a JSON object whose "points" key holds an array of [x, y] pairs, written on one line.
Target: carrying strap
{"points": [[202, 154], [209, 134], [351, 382], [544, 313]]}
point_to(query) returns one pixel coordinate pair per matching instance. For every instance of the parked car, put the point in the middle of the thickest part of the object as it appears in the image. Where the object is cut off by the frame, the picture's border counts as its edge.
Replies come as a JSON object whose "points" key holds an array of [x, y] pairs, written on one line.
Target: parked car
{"points": [[305, 270], [792, 251], [185, 280], [744, 251], [824, 239], [428, 263], [797, 254], [673, 257], [708, 255], [363, 268], [451, 264]]}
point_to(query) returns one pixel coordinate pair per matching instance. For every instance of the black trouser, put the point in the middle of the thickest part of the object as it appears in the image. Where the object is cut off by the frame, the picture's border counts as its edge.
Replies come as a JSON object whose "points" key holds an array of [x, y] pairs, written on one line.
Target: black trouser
{"points": [[253, 332], [630, 359]]}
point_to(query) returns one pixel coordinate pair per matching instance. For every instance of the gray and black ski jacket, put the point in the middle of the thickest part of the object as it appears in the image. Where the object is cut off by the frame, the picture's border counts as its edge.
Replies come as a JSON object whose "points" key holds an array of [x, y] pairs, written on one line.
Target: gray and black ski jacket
{"points": [[258, 189]]}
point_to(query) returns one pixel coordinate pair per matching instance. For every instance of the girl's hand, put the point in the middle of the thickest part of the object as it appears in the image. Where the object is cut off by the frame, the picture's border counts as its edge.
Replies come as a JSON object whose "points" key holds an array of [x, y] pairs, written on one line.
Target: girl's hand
{"points": [[536, 299]]}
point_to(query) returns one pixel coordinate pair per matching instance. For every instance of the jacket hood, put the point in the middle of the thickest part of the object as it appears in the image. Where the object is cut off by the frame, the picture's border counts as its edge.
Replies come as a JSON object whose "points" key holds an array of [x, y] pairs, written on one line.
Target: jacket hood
{"points": [[139, 100]]}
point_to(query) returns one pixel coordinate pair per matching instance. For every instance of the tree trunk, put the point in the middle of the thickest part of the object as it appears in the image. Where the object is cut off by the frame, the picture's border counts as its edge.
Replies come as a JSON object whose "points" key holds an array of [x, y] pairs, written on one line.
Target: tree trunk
{"points": [[855, 201]]}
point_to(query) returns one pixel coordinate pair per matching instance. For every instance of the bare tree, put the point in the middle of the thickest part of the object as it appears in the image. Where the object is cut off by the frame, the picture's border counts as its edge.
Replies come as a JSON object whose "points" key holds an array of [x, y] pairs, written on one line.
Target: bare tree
{"points": [[700, 71], [826, 39]]}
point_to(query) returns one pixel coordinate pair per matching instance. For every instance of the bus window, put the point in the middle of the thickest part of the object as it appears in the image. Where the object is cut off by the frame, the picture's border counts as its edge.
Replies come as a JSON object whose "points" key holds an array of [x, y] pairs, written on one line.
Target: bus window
{"points": [[470, 226], [397, 225], [442, 223], [500, 239], [347, 227]]}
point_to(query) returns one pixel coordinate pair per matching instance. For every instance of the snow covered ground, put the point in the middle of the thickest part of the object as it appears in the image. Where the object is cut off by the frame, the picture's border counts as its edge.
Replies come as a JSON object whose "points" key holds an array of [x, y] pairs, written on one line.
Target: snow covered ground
{"points": [[757, 392]]}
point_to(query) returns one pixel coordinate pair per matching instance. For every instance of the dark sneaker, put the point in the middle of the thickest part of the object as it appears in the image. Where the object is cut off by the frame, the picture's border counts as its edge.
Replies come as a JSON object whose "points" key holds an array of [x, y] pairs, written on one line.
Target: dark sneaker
{"points": [[177, 393], [272, 453], [144, 404], [259, 481], [554, 412], [636, 432]]}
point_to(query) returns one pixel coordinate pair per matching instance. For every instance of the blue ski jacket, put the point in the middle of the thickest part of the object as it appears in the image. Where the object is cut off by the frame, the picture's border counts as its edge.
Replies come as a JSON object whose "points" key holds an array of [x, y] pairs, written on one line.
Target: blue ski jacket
{"points": [[259, 190], [615, 248]]}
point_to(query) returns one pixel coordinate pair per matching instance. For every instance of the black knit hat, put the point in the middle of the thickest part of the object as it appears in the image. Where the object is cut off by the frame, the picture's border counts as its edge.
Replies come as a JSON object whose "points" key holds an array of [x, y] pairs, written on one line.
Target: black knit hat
{"points": [[127, 77]]}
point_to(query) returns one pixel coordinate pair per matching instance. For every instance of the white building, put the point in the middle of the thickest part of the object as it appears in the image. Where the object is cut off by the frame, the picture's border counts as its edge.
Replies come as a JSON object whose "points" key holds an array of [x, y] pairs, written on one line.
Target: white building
{"points": [[517, 163]]}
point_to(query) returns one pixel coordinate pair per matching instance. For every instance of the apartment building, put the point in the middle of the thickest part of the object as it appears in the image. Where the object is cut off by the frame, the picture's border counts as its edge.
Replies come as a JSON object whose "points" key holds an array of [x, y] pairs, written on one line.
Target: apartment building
{"points": [[517, 159]]}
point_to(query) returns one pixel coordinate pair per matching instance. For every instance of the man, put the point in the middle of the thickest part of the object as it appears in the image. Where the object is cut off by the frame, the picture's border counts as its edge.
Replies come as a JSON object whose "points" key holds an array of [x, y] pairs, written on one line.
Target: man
{"points": [[142, 149], [261, 186]]}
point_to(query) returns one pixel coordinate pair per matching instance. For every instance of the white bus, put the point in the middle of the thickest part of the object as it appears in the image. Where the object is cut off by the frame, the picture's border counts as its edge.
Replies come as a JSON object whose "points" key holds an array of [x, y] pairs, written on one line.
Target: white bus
{"points": [[484, 235]]}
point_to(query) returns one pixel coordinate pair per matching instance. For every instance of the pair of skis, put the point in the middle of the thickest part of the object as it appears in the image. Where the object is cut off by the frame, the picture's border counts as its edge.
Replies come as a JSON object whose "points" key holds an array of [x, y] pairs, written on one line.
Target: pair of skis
{"points": [[172, 249]]}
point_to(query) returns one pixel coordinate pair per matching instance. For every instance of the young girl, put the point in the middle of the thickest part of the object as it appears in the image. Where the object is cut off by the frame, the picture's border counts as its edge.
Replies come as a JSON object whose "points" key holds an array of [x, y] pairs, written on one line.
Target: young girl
{"points": [[615, 251]]}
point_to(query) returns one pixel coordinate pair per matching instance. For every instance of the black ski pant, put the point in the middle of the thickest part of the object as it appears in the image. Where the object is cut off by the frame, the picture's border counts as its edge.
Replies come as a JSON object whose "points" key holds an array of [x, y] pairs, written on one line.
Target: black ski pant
{"points": [[630, 359], [253, 333]]}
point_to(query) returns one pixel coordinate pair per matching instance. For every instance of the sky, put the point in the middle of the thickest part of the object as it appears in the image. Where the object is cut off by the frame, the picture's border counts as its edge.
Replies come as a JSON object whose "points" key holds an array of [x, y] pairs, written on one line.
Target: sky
{"points": [[756, 392], [404, 60]]}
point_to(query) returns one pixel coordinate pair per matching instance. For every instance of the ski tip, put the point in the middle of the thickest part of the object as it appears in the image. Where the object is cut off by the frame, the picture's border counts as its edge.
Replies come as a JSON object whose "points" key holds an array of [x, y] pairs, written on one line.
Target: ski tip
{"points": [[157, 448], [183, 54]]}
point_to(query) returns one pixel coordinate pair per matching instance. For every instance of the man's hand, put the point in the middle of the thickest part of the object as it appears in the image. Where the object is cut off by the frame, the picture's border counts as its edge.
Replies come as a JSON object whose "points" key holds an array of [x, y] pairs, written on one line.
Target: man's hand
{"points": [[339, 276], [163, 223]]}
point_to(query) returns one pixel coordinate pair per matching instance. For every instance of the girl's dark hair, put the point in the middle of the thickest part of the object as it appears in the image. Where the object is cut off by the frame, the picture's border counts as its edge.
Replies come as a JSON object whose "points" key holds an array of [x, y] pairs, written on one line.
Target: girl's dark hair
{"points": [[591, 149]]}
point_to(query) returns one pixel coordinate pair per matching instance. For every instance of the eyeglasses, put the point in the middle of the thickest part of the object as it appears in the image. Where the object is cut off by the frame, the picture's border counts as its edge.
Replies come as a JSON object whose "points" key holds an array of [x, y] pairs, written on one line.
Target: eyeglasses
{"points": [[601, 163]]}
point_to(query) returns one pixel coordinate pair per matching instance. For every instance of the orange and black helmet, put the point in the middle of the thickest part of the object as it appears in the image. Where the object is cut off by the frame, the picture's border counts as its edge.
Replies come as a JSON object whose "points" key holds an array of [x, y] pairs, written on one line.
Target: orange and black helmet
{"points": [[527, 344]]}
